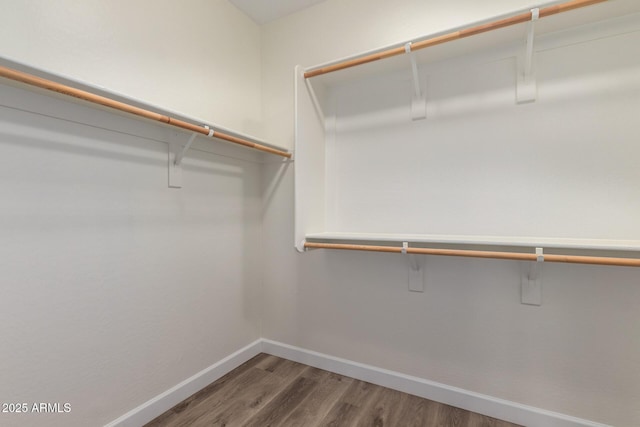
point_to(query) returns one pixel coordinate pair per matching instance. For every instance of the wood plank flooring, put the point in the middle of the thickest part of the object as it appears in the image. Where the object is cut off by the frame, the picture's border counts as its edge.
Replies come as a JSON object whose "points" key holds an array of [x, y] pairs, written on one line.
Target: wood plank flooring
{"points": [[270, 391]]}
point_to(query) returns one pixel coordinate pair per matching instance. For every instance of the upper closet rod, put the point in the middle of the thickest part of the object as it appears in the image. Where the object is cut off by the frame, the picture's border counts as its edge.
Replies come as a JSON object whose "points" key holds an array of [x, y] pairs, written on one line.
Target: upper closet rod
{"points": [[517, 19], [574, 259], [108, 102]]}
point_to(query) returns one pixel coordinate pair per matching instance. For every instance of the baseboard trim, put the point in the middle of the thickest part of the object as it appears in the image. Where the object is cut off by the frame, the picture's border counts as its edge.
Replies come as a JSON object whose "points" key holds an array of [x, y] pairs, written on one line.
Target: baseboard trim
{"points": [[471, 401], [167, 400], [475, 402]]}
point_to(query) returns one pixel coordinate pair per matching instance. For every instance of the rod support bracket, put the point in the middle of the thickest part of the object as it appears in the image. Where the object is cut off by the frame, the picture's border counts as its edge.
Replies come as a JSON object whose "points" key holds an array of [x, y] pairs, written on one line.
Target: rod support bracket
{"points": [[416, 269], [531, 283], [176, 155], [526, 86], [419, 99]]}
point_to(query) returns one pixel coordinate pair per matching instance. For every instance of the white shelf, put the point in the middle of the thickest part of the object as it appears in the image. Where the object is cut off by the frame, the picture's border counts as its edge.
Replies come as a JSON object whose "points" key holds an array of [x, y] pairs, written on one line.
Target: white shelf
{"points": [[102, 91], [508, 38], [500, 173], [459, 240]]}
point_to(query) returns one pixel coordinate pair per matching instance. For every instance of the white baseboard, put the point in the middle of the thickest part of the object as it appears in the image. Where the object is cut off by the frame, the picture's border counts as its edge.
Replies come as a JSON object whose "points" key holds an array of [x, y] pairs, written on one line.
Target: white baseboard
{"points": [[475, 402], [167, 400]]}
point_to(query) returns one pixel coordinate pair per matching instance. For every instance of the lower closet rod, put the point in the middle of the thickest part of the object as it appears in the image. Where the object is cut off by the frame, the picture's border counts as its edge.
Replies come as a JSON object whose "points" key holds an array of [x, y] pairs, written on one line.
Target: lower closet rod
{"points": [[574, 259], [32, 80]]}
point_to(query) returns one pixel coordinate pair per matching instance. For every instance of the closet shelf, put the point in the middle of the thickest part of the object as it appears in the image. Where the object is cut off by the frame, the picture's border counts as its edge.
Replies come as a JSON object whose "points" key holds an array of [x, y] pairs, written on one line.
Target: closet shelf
{"points": [[472, 240], [33, 77], [352, 112], [576, 251], [501, 30]]}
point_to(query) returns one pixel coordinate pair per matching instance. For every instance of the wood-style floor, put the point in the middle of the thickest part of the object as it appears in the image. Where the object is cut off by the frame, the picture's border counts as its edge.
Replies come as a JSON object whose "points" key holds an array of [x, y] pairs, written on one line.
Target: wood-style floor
{"points": [[270, 391]]}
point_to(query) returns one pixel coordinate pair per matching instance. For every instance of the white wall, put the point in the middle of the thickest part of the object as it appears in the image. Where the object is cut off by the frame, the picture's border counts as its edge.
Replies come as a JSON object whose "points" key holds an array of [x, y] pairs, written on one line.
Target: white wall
{"points": [[482, 165], [197, 57], [577, 354], [114, 287]]}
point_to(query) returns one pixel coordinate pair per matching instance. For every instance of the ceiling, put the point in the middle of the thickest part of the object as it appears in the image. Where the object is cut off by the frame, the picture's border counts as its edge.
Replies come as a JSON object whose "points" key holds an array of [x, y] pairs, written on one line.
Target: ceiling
{"points": [[263, 11]]}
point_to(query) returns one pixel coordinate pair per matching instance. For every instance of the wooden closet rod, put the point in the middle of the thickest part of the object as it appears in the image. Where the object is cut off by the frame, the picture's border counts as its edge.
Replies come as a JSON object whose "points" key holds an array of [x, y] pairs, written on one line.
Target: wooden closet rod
{"points": [[517, 19], [121, 106], [574, 259]]}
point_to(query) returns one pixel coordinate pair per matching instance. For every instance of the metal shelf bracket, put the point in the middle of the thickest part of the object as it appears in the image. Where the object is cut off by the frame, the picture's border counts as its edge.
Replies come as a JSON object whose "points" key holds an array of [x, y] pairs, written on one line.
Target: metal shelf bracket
{"points": [[416, 270], [531, 283], [526, 86], [419, 99], [176, 154]]}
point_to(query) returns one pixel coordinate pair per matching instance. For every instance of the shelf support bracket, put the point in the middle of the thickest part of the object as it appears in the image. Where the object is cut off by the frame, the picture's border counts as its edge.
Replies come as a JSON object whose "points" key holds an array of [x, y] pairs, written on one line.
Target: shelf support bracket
{"points": [[416, 270], [526, 86], [531, 284], [419, 99], [176, 154]]}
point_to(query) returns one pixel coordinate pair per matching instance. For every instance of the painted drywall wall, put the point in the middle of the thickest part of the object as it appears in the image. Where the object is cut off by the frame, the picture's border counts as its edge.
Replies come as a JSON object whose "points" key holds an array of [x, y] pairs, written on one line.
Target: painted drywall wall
{"points": [[480, 162], [197, 57], [577, 354], [114, 287]]}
